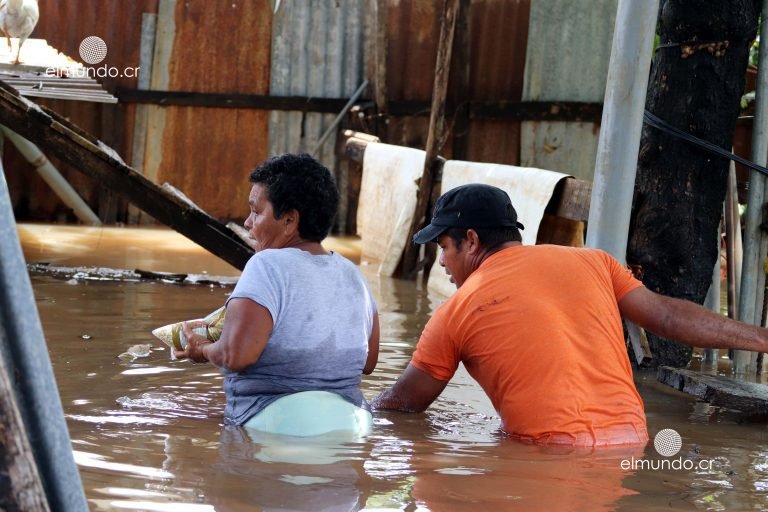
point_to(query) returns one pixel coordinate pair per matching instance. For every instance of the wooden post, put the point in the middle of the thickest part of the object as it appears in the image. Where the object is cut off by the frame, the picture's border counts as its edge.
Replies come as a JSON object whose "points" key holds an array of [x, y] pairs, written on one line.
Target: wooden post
{"points": [[20, 484], [380, 67], [732, 249], [435, 135], [462, 68]]}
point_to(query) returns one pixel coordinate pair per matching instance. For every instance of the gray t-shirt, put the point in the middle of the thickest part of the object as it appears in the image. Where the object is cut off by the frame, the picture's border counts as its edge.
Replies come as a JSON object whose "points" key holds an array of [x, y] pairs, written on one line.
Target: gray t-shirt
{"points": [[322, 314]]}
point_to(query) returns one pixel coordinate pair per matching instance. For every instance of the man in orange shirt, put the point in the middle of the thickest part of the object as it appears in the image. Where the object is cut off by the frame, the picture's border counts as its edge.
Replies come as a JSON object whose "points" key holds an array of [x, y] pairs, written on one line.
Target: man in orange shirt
{"points": [[539, 328]]}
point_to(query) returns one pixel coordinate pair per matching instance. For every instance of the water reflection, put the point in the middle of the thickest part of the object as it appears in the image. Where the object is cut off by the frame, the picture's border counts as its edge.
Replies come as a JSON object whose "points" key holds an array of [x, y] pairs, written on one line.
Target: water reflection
{"points": [[148, 432], [290, 473]]}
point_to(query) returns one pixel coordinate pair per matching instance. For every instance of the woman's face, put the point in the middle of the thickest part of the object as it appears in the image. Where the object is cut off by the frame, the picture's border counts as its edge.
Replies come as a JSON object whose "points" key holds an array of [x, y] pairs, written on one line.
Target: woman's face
{"points": [[267, 231]]}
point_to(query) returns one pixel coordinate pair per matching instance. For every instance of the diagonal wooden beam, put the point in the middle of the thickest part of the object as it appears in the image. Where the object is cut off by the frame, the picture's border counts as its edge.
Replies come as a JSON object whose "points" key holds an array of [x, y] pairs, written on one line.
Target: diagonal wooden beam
{"points": [[61, 138]]}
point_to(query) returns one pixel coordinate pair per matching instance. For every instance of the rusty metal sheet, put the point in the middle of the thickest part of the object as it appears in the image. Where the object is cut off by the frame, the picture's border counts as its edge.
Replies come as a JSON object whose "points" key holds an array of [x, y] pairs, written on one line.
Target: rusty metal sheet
{"points": [[499, 31], [208, 152], [496, 71], [567, 60], [64, 24]]}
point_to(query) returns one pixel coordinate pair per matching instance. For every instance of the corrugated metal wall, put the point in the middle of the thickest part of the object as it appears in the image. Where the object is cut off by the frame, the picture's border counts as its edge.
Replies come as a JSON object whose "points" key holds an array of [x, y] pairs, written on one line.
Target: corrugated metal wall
{"points": [[497, 74], [569, 47], [317, 51], [520, 49], [529, 50], [413, 28], [498, 35], [207, 153]]}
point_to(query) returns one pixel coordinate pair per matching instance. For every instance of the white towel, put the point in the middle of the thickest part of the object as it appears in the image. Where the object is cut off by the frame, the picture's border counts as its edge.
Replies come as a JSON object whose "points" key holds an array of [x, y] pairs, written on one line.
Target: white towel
{"points": [[387, 202], [529, 189]]}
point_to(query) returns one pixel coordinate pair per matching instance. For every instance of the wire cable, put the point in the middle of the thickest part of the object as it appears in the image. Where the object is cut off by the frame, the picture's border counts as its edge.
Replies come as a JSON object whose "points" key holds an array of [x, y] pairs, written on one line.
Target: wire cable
{"points": [[659, 124]]}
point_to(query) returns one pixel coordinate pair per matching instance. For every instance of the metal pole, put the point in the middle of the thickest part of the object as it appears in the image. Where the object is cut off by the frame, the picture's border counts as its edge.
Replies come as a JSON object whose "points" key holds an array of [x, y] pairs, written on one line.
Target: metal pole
{"points": [[52, 177], [755, 244], [339, 117], [25, 354], [621, 126]]}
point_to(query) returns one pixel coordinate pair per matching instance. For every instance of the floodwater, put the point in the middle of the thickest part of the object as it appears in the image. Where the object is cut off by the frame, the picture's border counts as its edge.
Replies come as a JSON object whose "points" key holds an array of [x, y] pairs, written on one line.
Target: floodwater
{"points": [[147, 433]]}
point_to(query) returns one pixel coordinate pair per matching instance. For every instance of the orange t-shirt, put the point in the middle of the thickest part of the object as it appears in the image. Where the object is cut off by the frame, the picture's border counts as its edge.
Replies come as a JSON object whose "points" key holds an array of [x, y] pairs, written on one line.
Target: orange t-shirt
{"points": [[539, 328]]}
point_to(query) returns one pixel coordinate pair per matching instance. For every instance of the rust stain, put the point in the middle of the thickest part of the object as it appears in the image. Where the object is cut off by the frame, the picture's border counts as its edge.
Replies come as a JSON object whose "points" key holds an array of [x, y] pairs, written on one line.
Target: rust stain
{"points": [[413, 32], [498, 34], [499, 42], [208, 152]]}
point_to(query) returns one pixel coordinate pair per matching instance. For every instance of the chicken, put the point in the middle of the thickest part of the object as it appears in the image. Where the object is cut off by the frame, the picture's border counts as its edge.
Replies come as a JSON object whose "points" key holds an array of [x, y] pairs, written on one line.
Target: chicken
{"points": [[18, 18]]}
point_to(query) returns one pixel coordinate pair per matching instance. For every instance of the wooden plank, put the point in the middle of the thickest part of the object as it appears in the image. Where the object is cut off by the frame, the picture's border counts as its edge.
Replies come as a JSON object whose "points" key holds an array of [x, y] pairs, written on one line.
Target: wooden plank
{"points": [[381, 40], [434, 135], [746, 397], [20, 485], [58, 137], [572, 111], [222, 100], [570, 199]]}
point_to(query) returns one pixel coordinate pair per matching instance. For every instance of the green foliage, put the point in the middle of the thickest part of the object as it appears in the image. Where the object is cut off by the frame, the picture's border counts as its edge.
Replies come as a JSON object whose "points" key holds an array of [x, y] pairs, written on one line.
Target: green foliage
{"points": [[754, 52]]}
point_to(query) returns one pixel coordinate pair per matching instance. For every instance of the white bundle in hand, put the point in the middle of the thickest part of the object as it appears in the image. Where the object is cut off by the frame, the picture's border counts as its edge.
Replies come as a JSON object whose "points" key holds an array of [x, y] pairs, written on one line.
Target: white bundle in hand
{"points": [[173, 336]]}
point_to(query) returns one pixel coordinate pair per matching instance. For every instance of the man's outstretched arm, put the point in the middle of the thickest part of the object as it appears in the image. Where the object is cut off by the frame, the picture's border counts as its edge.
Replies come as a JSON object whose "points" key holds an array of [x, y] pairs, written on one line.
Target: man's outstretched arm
{"points": [[688, 323], [414, 391]]}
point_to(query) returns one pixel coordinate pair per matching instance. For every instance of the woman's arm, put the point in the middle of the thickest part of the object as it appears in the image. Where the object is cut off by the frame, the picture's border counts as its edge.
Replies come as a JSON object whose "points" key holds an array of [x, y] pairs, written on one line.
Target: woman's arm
{"points": [[247, 327], [373, 346]]}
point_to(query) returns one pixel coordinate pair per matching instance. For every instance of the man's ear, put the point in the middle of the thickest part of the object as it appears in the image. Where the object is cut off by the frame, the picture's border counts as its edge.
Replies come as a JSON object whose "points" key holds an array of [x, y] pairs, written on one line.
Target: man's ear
{"points": [[473, 241]]}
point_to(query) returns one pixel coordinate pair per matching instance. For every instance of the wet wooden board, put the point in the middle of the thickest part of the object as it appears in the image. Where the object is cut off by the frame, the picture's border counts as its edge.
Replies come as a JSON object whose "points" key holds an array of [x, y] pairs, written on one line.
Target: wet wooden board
{"points": [[746, 397], [59, 137]]}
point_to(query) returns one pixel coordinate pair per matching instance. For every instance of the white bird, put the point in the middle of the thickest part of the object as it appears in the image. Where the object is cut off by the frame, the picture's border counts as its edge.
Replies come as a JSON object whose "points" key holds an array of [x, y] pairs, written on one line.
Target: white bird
{"points": [[18, 18]]}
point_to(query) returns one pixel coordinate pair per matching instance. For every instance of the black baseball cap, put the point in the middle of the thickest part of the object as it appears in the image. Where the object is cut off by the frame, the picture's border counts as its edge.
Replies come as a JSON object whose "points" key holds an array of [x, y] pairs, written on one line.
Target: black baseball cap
{"points": [[469, 206]]}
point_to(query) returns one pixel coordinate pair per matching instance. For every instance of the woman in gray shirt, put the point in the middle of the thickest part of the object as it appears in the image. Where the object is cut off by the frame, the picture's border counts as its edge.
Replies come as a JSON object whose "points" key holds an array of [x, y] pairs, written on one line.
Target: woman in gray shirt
{"points": [[301, 325]]}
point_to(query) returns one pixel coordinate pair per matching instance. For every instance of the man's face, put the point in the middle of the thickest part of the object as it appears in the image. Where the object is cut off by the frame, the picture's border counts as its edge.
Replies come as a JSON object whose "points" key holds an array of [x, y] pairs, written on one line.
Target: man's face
{"points": [[454, 259]]}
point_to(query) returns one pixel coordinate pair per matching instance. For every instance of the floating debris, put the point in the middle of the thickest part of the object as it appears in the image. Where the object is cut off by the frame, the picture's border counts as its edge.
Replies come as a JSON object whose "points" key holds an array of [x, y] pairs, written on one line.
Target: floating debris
{"points": [[135, 352], [149, 401], [75, 274]]}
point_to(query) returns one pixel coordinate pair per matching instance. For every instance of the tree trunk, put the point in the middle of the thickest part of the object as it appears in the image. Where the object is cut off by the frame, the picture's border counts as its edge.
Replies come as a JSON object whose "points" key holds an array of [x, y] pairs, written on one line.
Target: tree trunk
{"points": [[696, 82]]}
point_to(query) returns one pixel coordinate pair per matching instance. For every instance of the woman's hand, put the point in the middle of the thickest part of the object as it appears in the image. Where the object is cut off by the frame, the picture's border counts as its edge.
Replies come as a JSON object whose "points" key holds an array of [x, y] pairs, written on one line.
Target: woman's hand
{"points": [[195, 343]]}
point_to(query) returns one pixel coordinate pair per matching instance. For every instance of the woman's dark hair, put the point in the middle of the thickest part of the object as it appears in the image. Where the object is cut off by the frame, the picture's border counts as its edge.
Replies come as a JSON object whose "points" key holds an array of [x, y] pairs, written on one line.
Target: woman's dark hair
{"points": [[489, 237], [301, 183]]}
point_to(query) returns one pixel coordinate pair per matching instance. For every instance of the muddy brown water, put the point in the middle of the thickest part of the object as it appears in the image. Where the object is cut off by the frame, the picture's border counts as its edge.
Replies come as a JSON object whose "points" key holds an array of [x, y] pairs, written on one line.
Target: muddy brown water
{"points": [[147, 434]]}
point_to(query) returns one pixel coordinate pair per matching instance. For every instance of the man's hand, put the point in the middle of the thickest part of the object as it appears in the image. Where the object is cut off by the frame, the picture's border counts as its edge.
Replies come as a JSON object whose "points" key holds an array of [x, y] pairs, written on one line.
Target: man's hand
{"points": [[195, 343]]}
